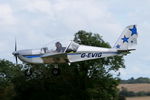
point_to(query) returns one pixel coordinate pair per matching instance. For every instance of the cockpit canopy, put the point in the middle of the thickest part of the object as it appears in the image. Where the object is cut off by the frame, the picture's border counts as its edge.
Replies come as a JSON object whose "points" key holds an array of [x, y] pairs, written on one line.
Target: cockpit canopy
{"points": [[73, 47], [59, 48]]}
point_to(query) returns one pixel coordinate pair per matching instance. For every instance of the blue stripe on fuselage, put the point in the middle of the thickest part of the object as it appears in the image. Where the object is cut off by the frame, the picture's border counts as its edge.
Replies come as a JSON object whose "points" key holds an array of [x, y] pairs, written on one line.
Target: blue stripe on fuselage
{"points": [[32, 56], [73, 53]]}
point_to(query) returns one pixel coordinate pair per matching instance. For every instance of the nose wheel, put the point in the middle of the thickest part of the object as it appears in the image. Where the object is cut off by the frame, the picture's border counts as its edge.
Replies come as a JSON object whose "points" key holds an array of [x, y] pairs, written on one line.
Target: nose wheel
{"points": [[56, 71]]}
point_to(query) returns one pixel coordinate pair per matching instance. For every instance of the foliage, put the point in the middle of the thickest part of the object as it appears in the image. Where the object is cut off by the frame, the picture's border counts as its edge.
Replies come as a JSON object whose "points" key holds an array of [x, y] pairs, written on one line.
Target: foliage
{"points": [[138, 80], [8, 71], [102, 81]]}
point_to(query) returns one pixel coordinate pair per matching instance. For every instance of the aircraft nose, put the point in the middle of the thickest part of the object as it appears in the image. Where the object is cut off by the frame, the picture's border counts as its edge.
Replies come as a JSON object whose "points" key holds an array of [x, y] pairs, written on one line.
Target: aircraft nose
{"points": [[15, 53]]}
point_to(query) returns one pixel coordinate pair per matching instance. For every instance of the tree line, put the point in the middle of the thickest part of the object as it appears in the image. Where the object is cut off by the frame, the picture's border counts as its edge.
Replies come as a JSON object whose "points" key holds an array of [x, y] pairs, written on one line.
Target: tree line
{"points": [[137, 80]]}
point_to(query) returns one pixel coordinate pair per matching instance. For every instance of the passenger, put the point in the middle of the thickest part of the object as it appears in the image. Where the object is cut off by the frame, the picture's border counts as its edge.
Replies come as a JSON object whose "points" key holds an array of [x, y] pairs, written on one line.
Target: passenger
{"points": [[59, 47]]}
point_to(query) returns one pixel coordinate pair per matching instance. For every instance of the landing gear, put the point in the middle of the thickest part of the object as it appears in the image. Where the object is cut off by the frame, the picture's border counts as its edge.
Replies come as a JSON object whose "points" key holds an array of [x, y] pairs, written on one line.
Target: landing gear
{"points": [[28, 72], [56, 71]]}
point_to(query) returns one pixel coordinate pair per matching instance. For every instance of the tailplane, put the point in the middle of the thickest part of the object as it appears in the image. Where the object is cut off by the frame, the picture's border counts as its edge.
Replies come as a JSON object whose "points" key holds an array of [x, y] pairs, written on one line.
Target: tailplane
{"points": [[127, 39]]}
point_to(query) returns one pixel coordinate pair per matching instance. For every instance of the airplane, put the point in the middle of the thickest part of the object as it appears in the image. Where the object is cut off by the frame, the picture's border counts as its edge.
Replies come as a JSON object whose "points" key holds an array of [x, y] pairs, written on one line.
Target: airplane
{"points": [[75, 52]]}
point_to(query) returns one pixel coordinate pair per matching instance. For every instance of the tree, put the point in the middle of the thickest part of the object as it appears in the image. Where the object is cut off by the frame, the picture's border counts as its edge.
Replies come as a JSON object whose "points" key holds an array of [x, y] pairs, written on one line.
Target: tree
{"points": [[8, 71], [96, 78]]}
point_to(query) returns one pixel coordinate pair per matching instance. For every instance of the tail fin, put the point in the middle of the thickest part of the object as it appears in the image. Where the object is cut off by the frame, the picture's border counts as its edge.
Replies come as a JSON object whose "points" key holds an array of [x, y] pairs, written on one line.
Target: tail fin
{"points": [[127, 39]]}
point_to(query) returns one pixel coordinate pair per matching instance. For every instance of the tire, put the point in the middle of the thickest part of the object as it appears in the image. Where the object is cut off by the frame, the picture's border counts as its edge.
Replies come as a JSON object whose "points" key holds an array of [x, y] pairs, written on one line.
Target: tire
{"points": [[28, 72], [56, 71]]}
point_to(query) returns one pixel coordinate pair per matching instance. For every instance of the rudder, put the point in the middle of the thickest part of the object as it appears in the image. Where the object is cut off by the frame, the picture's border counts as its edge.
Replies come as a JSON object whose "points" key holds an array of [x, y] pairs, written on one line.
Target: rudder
{"points": [[127, 39]]}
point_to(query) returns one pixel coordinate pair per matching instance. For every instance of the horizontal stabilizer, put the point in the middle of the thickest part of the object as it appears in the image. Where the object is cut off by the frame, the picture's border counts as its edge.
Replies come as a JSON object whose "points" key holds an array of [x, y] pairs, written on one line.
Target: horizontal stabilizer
{"points": [[125, 51]]}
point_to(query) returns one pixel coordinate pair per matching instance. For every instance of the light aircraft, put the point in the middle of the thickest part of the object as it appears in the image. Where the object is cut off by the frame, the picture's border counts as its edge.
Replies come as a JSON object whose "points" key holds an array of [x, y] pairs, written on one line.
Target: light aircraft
{"points": [[75, 52]]}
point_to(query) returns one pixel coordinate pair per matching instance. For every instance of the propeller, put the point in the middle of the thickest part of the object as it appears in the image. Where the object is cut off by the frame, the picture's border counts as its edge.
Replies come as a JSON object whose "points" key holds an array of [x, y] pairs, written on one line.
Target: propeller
{"points": [[15, 53]]}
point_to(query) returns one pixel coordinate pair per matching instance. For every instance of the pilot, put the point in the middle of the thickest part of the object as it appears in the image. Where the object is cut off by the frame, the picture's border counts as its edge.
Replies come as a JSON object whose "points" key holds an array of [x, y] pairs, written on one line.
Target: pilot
{"points": [[59, 47]]}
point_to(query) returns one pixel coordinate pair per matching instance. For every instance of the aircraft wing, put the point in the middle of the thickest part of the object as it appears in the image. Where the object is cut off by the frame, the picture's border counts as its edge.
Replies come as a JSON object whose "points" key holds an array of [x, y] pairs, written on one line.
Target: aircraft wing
{"points": [[55, 58]]}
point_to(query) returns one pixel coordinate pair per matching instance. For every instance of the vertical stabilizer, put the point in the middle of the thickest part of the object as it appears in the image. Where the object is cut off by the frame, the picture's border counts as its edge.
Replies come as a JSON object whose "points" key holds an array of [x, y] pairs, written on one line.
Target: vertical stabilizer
{"points": [[127, 39]]}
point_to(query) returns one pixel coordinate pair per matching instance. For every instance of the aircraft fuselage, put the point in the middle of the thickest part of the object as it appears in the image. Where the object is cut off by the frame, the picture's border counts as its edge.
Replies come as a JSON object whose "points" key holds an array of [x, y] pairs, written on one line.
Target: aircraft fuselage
{"points": [[83, 53]]}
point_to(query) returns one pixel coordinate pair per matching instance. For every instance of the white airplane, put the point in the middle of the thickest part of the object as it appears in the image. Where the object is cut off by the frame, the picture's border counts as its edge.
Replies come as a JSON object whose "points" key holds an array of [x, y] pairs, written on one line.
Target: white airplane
{"points": [[76, 53]]}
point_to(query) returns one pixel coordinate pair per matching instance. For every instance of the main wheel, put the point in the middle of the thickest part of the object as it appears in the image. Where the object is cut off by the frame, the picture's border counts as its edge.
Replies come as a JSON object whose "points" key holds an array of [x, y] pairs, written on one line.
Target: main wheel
{"points": [[28, 72], [56, 71]]}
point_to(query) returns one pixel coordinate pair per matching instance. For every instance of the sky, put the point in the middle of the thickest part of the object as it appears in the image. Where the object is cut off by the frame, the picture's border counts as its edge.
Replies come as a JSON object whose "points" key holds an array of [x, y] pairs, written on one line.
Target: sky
{"points": [[34, 23]]}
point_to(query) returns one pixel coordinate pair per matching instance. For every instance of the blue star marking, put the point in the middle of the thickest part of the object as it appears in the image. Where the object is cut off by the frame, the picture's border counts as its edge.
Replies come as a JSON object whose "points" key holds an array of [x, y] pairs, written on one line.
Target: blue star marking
{"points": [[117, 46], [133, 30], [125, 39]]}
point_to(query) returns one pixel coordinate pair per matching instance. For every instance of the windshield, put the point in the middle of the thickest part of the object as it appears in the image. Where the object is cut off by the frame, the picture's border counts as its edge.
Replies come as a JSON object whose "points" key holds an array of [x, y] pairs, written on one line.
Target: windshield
{"points": [[59, 47]]}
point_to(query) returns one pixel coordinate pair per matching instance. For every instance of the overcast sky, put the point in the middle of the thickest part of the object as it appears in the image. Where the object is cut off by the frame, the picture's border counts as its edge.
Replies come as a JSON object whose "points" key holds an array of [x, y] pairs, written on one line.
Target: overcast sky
{"points": [[37, 22]]}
